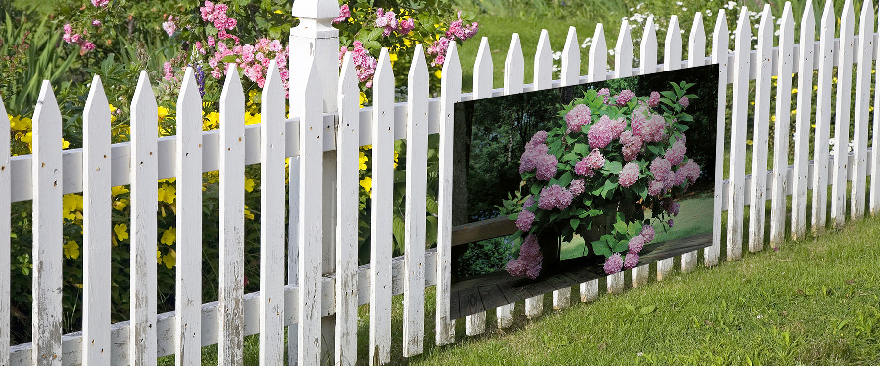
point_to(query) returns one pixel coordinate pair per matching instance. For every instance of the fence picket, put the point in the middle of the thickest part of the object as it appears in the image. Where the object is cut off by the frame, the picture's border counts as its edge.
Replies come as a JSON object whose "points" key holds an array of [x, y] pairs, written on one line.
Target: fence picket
{"points": [[761, 129], [482, 88], [781, 125], [381, 226], [347, 155], [823, 118], [696, 57], [450, 93], [863, 95], [802, 125], [570, 75], [596, 71], [671, 61], [416, 191], [188, 299], [231, 289], [720, 50], [5, 234], [738, 129], [47, 229], [513, 84], [97, 224], [648, 48], [875, 142], [143, 344], [842, 115], [272, 220], [623, 55]]}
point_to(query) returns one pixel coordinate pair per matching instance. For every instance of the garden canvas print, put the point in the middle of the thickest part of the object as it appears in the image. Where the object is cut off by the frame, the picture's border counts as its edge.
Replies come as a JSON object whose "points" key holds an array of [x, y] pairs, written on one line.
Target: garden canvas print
{"points": [[610, 175]]}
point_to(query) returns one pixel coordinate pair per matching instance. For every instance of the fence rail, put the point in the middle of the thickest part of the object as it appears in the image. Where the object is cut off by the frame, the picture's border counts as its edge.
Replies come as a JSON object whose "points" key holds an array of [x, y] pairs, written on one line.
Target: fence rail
{"points": [[319, 302]]}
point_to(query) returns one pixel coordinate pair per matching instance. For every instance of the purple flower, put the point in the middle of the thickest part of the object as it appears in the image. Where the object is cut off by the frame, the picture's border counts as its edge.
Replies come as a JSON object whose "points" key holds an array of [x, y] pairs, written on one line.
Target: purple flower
{"points": [[576, 187], [601, 133], [629, 174], [654, 100], [406, 26], [578, 117], [525, 219], [647, 233], [613, 264], [546, 167], [554, 196], [604, 93], [636, 243], [529, 202], [100, 3], [632, 259], [660, 168], [539, 137], [684, 102], [655, 187], [624, 97], [675, 154], [671, 223], [529, 261], [96, 23], [595, 160], [691, 170]]}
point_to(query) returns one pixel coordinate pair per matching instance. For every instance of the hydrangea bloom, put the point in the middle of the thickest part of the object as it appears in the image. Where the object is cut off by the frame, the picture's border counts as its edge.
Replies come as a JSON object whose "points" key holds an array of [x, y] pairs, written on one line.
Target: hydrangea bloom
{"points": [[100, 3], [601, 133], [632, 145], [624, 97], [660, 168], [344, 13], [576, 187], [632, 259], [528, 202], [595, 160], [529, 261], [636, 243], [673, 208], [691, 170], [532, 156], [554, 196], [654, 99], [525, 219], [647, 233], [578, 117], [539, 137], [655, 187], [671, 223], [546, 167], [583, 168], [613, 264], [604, 93], [675, 154], [629, 174], [684, 102]]}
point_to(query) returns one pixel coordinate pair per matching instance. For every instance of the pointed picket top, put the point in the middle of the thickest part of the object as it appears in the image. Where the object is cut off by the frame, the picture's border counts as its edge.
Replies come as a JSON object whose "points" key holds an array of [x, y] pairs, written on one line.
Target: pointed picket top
{"points": [[47, 108], [483, 71], [743, 30], [143, 100], [808, 18], [866, 18], [97, 107], [720, 31], [514, 67], [543, 71], [189, 95], [273, 93], [571, 58], [765, 26], [384, 73], [347, 72], [847, 16], [648, 48], [232, 86], [828, 17], [418, 70], [672, 49], [787, 19], [697, 42], [623, 51], [598, 55], [451, 65]]}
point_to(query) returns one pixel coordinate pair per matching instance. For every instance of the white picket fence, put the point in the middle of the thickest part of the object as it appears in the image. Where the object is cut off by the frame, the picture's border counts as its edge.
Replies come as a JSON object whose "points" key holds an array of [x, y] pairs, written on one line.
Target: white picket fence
{"points": [[323, 139]]}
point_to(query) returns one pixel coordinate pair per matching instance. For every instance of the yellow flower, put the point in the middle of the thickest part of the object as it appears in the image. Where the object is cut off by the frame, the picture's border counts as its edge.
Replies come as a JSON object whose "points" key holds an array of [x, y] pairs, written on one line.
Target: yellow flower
{"points": [[169, 236], [813, 125], [112, 113], [773, 77], [120, 204], [773, 118], [27, 138], [158, 256], [392, 57], [118, 190], [71, 250], [367, 183], [363, 161], [815, 87], [748, 142], [64, 143], [121, 231], [250, 119], [794, 90], [793, 112], [279, 12], [170, 258], [396, 154], [438, 73], [19, 123], [211, 121], [163, 112], [72, 203], [363, 99], [367, 147], [249, 185], [167, 193], [247, 213], [407, 42]]}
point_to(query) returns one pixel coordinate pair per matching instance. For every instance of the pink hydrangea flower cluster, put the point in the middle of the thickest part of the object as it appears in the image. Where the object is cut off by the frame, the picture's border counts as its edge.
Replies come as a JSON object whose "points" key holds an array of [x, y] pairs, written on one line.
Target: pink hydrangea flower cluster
{"points": [[636, 243], [606, 130], [654, 99], [389, 22], [650, 127], [629, 174], [536, 157], [690, 170], [671, 207], [524, 220], [624, 97], [457, 32], [631, 261], [344, 13], [660, 168], [605, 94], [576, 187], [675, 154], [100, 3], [364, 64], [70, 37], [613, 264], [554, 196], [590, 163], [169, 26], [632, 145], [578, 117], [684, 102], [529, 261]]}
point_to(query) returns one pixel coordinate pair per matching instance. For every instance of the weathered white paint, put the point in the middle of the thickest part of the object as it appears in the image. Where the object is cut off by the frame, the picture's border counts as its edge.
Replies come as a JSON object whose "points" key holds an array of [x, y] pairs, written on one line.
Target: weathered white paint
{"points": [[648, 48], [874, 201], [742, 44], [231, 287], [720, 51], [781, 133], [842, 113], [696, 57], [671, 61], [569, 72], [760, 132], [596, 71], [862, 100], [823, 117], [97, 222], [800, 183]]}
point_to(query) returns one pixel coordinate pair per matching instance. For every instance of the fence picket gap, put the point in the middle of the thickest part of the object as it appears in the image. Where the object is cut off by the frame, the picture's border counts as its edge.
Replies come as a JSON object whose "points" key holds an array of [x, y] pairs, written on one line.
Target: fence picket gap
{"points": [[188, 299], [738, 129], [310, 219], [143, 343], [272, 219], [800, 183], [863, 96], [671, 61], [781, 126], [47, 229], [696, 57], [823, 118], [450, 93], [97, 224], [5, 234], [232, 231], [347, 155], [513, 84], [596, 70], [761, 128], [842, 115], [720, 50], [416, 192], [648, 48]]}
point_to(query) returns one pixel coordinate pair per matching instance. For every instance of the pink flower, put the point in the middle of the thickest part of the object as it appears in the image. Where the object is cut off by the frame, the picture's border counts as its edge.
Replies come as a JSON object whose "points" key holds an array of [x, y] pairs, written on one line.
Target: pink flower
{"points": [[655, 187], [457, 29], [554, 197], [601, 133], [525, 219], [529, 261], [96, 23], [675, 154], [546, 167], [406, 26], [632, 259], [578, 117], [684, 102], [169, 71], [636, 243], [344, 13], [629, 174], [604, 93], [671, 223], [539, 137], [68, 28], [576, 187], [75, 38], [691, 170], [86, 47], [169, 26], [673, 208], [613, 264], [100, 3], [438, 50], [595, 160], [386, 20], [624, 97], [529, 202], [654, 100], [660, 168], [647, 233]]}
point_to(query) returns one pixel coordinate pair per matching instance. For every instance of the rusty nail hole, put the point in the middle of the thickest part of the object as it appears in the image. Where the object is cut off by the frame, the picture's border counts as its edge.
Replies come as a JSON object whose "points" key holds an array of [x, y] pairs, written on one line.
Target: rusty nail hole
{"points": [[98, 169], [187, 154], [2, 168], [105, 156], [93, 341], [56, 183], [200, 145], [239, 139], [151, 153], [44, 165], [102, 350], [228, 149]]}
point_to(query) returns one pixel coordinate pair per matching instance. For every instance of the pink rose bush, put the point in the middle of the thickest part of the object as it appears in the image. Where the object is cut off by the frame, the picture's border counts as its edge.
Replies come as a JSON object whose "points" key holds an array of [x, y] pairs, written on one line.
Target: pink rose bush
{"points": [[609, 152]]}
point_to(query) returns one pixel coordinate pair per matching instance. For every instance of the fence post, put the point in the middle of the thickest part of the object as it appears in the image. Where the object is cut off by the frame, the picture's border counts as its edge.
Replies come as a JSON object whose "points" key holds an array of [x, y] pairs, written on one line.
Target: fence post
{"points": [[5, 229], [315, 39]]}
